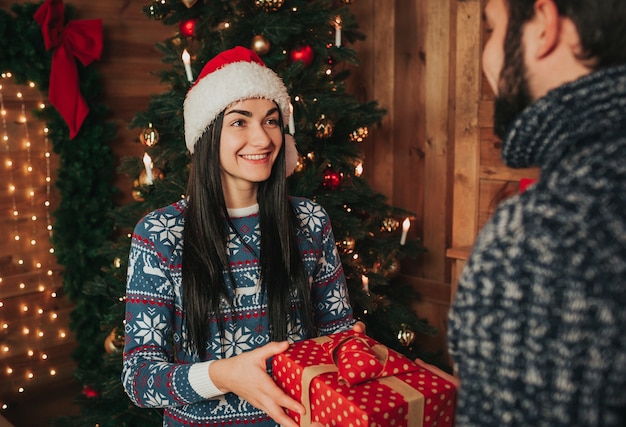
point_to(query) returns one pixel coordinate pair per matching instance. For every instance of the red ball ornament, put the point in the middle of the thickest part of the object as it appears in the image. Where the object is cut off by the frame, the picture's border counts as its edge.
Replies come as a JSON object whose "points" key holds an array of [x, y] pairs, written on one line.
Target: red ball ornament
{"points": [[187, 28], [90, 392], [332, 179], [302, 53]]}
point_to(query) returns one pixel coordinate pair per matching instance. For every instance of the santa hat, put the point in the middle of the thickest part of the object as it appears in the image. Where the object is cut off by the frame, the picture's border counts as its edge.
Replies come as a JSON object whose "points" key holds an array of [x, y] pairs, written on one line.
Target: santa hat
{"points": [[233, 75]]}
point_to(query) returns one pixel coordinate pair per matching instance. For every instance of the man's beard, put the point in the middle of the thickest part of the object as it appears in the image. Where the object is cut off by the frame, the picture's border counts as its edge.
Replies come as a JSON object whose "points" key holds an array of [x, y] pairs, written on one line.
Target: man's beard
{"points": [[513, 92]]}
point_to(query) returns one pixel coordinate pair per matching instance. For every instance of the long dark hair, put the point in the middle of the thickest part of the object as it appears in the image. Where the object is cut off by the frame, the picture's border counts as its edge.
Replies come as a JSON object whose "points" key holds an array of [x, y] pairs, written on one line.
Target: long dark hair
{"points": [[205, 235], [600, 25]]}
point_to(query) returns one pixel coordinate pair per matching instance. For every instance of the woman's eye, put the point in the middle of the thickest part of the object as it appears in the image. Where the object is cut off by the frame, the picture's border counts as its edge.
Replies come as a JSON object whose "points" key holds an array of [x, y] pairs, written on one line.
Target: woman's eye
{"points": [[237, 123], [272, 121]]}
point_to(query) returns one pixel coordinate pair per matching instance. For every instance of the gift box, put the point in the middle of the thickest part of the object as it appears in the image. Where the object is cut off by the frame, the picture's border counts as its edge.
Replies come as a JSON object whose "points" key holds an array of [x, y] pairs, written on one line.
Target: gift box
{"points": [[349, 379]]}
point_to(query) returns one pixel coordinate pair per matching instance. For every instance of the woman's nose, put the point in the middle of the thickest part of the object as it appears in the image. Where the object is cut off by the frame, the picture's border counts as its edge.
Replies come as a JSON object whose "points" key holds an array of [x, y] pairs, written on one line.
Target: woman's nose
{"points": [[259, 136]]}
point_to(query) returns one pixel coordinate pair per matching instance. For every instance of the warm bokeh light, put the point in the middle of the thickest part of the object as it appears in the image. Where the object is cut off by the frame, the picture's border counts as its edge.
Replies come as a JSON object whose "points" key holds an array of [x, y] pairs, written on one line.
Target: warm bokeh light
{"points": [[32, 318]]}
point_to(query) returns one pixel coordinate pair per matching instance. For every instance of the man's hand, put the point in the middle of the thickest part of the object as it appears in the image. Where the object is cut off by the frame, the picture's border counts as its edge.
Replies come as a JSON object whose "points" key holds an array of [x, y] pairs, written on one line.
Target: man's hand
{"points": [[358, 327], [246, 376]]}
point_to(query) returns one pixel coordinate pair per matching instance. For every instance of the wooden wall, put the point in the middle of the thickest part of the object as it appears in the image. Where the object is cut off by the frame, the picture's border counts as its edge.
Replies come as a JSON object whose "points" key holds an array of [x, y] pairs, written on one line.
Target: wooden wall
{"points": [[434, 153], [408, 66]]}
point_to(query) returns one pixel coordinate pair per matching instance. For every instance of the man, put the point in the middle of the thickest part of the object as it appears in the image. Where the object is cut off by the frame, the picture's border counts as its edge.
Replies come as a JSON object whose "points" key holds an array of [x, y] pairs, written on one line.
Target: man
{"points": [[538, 327]]}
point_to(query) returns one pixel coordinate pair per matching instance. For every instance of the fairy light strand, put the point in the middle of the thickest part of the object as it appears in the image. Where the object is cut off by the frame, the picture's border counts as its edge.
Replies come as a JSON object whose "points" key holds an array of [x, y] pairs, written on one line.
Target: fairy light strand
{"points": [[41, 324], [9, 164], [29, 167]]}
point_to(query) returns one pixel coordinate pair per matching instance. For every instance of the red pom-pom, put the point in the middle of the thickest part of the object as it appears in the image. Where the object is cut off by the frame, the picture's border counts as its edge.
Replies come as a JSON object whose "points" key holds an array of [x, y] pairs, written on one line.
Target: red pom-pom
{"points": [[188, 28], [302, 53]]}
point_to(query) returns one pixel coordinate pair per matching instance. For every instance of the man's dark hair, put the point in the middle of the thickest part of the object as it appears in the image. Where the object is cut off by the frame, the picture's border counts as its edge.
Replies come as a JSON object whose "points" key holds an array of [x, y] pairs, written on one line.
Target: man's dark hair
{"points": [[600, 25]]}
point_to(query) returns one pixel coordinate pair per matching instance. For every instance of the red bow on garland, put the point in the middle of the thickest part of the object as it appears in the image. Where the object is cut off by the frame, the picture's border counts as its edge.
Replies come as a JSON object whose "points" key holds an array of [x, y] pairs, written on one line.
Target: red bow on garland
{"points": [[80, 40]]}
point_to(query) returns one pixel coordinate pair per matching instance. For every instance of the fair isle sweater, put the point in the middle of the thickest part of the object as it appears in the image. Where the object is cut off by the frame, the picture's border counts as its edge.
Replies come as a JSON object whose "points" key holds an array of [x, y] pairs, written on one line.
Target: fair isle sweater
{"points": [[160, 370], [537, 330]]}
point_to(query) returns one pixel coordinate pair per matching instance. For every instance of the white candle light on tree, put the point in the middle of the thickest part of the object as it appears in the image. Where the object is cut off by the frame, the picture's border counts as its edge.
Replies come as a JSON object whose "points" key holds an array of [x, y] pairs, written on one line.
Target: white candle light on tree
{"points": [[406, 224], [187, 62], [147, 161], [337, 24], [292, 122]]}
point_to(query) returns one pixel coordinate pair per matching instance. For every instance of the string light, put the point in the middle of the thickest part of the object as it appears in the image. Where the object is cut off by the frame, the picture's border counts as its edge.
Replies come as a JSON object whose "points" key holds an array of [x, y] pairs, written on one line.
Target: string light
{"points": [[26, 159]]}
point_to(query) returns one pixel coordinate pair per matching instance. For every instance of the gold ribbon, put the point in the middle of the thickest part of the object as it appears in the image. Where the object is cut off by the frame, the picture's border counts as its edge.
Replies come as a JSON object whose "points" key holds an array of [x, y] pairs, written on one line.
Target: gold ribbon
{"points": [[414, 399], [307, 376]]}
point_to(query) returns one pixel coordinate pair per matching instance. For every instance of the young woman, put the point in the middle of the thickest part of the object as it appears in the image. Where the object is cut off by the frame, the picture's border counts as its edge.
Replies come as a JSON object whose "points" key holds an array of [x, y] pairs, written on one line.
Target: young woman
{"points": [[223, 280]]}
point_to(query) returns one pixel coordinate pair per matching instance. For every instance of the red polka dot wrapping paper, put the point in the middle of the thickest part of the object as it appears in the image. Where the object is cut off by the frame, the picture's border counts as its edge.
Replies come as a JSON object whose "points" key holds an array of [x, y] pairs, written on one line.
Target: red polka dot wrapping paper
{"points": [[405, 394]]}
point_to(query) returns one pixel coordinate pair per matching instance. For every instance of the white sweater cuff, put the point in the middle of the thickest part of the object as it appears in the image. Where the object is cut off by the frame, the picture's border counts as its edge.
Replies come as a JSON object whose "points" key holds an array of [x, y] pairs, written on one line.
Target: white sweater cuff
{"points": [[201, 381]]}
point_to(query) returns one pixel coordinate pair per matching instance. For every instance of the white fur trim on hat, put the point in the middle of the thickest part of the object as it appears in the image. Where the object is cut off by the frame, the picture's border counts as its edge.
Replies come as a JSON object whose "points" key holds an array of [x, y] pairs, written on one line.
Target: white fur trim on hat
{"points": [[291, 154], [217, 90]]}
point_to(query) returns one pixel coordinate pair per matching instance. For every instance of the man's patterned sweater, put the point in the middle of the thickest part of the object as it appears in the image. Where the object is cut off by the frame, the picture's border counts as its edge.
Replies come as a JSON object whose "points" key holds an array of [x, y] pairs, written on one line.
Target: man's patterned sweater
{"points": [[538, 326]]}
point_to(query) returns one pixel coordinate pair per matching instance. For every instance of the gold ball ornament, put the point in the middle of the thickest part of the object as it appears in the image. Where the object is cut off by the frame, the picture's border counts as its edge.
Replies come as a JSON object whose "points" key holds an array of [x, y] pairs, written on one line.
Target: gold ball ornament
{"points": [[114, 342], [301, 163], [324, 127], [359, 135], [389, 224], [269, 5], [389, 268], [260, 45], [149, 136], [405, 335], [137, 194]]}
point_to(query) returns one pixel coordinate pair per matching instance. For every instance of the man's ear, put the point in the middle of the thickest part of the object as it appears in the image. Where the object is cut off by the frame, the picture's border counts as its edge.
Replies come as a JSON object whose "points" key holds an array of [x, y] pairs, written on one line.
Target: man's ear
{"points": [[549, 26]]}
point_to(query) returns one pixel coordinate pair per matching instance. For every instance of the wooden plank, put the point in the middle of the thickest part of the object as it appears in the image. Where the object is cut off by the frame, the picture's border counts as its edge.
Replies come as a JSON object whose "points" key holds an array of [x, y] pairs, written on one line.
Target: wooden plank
{"points": [[382, 84], [409, 126], [29, 282], [13, 308], [408, 132], [485, 113], [492, 193], [461, 252], [440, 29], [466, 154]]}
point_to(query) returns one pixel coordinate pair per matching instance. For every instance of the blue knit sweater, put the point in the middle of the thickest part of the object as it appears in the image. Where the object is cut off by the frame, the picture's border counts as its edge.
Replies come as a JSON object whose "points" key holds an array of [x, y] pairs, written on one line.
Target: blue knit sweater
{"points": [[538, 326], [160, 370]]}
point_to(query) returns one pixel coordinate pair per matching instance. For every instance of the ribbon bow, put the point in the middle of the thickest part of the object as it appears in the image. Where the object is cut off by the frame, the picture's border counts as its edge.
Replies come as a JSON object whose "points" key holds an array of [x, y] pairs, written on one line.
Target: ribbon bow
{"points": [[358, 360], [80, 40]]}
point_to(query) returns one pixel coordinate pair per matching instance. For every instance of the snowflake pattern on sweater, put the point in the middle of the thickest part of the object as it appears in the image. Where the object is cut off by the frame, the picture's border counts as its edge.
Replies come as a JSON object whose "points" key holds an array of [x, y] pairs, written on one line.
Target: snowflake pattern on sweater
{"points": [[537, 326], [157, 359]]}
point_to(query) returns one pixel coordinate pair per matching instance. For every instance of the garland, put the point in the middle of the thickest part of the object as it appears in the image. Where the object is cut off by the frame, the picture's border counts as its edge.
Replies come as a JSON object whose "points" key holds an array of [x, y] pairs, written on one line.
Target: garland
{"points": [[83, 219]]}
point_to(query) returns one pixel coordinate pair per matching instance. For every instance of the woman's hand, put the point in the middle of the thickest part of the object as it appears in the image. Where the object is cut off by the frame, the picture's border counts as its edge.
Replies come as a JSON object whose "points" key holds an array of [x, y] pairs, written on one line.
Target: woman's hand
{"points": [[246, 376]]}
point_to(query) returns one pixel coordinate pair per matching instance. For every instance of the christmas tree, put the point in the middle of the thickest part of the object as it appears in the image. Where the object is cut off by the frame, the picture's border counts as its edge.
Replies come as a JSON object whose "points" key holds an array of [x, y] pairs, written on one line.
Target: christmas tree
{"points": [[307, 42]]}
